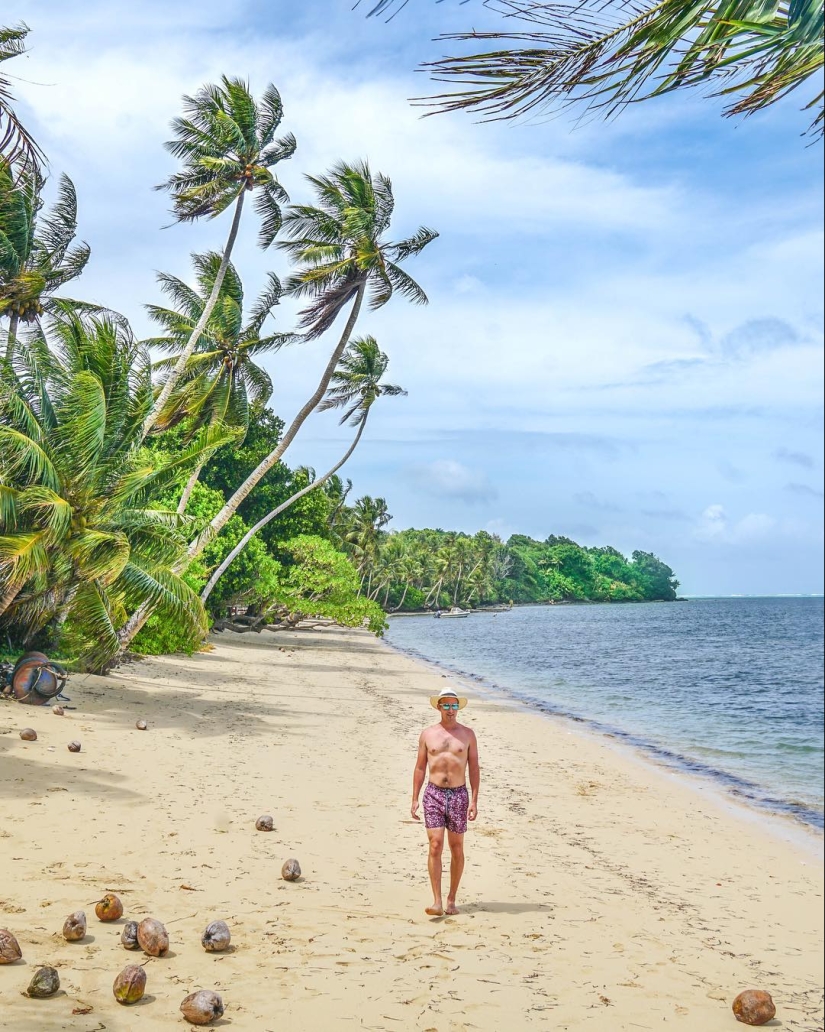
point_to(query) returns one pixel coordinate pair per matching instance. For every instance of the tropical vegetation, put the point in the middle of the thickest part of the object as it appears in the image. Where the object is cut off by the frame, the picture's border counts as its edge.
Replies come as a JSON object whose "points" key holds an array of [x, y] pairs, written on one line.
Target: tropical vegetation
{"points": [[603, 55], [144, 495]]}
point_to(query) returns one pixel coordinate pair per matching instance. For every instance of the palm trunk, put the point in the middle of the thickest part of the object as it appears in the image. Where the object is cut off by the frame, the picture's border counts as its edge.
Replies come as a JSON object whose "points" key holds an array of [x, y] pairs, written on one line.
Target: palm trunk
{"points": [[9, 596], [14, 322], [139, 618], [241, 545], [190, 487], [219, 522], [401, 603], [206, 314]]}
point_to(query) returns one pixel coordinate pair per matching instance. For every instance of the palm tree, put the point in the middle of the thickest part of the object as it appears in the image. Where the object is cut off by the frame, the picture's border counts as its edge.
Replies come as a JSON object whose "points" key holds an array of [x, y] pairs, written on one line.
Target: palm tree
{"points": [[36, 253], [80, 538], [356, 386], [609, 53], [227, 145], [16, 145], [221, 381], [343, 257]]}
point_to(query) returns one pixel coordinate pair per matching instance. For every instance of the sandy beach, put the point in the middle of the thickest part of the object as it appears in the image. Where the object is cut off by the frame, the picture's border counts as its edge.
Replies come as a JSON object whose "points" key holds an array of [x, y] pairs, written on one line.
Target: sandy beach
{"points": [[601, 892]]}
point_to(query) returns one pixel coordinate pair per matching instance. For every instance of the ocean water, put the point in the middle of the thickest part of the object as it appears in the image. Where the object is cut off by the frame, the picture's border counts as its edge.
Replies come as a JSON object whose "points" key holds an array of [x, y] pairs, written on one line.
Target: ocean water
{"points": [[727, 688]]}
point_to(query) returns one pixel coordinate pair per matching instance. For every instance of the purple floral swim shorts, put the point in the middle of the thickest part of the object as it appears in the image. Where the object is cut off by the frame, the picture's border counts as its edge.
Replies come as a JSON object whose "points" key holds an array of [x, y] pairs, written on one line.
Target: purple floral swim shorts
{"points": [[446, 807]]}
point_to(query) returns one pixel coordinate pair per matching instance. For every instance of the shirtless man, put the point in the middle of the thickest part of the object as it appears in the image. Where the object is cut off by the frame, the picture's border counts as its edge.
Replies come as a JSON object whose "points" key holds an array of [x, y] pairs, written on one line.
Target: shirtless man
{"points": [[449, 749]]}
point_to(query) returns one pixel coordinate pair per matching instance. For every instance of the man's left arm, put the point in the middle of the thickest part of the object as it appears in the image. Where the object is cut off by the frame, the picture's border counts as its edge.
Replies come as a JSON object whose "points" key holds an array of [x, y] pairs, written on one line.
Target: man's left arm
{"points": [[475, 776]]}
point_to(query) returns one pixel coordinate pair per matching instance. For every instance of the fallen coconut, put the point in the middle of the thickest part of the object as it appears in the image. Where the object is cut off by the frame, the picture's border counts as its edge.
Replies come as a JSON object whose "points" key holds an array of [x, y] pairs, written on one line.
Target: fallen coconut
{"points": [[58, 710], [44, 983], [291, 871], [28, 734], [74, 927], [141, 725], [109, 908], [217, 937], [754, 1007], [9, 947], [152, 937], [74, 746], [129, 936], [265, 823], [202, 1007], [130, 984]]}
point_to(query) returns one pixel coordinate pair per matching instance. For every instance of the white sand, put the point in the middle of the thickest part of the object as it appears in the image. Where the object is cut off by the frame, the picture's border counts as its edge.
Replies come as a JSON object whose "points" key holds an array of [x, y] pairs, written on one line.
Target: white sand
{"points": [[600, 891]]}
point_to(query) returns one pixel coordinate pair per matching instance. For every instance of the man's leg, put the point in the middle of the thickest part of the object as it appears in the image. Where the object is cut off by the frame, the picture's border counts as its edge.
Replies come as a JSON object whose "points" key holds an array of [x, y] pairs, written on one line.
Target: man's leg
{"points": [[456, 843], [436, 837]]}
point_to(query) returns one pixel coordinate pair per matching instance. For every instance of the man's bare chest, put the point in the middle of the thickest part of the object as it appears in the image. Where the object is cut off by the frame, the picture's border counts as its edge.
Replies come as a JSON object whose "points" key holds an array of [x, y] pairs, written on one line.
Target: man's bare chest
{"points": [[438, 745]]}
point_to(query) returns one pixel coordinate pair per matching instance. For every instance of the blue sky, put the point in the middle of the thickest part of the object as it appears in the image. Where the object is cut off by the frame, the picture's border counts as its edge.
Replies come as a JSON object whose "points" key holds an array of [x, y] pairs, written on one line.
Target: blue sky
{"points": [[624, 336]]}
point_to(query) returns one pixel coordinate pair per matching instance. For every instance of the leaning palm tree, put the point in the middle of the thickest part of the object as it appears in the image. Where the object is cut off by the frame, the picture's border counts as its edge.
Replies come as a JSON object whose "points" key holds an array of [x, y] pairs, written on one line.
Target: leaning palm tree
{"points": [[356, 386], [80, 538], [222, 380], [227, 145], [343, 257], [16, 144], [606, 54], [38, 255]]}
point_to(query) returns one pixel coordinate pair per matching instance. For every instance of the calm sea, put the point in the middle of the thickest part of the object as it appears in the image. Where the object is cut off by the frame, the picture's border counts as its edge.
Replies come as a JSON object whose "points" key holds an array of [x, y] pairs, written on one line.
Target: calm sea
{"points": [[728, 688]]}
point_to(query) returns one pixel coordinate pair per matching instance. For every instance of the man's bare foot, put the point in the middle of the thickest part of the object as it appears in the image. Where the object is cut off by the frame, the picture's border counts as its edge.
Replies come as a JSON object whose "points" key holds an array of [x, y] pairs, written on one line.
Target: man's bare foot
{"points": [[451, 909], [436, 910]]}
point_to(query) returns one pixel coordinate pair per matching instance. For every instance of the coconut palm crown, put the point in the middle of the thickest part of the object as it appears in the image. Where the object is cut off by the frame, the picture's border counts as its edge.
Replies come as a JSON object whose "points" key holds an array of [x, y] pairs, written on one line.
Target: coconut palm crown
{"points": [[16, 144], [78, 538], [227, 147], [38, 255], [221, 382], [339, 246], [356, 383], [606, 54]]}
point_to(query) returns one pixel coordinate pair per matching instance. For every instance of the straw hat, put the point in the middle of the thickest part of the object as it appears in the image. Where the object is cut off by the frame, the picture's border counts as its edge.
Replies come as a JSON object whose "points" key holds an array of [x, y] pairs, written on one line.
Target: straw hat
{"points": [[448, 693]]}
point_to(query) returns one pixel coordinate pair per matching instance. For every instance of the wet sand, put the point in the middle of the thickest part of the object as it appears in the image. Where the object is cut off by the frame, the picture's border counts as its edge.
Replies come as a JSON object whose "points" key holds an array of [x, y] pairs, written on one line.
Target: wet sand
{"points": [[600, 892]]}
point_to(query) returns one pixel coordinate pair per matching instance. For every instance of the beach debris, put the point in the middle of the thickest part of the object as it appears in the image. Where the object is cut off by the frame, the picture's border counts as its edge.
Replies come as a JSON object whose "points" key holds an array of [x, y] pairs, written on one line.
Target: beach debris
{"points": [[35, 680], [141, 725], [216, 938], [45, 982], [58, 711], [152, 937], [74, 746], [129, 937], [291, 871], [28, 734], [130, 984], [9, 947], [754, 1007], [74, 927], [265, 823], [202, 1007], [109, 908]]}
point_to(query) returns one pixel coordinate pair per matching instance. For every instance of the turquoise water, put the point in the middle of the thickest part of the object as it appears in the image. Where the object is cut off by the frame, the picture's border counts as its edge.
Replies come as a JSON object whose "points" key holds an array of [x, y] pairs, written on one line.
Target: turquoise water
{"points": [[731, 689]]}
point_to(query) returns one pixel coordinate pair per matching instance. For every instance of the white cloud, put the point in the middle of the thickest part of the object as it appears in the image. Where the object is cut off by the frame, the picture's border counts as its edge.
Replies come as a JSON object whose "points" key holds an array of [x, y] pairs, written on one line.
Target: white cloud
{"points": [[446, 478], [715, 526]]}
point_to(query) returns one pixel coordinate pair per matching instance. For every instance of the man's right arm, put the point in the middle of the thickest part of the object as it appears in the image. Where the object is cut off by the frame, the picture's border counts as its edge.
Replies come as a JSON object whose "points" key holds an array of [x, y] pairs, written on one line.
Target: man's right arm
{"points": [[419, 774]]}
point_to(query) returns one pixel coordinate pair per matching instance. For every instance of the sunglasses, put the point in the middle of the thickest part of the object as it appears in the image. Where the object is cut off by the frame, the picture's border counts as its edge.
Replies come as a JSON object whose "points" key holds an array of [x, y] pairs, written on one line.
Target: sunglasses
{"points": [[449, 705]]}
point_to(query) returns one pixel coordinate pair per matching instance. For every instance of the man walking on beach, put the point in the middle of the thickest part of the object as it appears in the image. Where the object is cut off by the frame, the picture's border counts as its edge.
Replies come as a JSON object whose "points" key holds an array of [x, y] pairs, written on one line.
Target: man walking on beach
{"points": [[449, 750]]}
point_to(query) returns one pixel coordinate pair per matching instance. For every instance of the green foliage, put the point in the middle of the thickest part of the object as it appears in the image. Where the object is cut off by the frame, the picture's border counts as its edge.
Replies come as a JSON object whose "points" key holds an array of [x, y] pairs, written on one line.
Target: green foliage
{"points": [[16, 145], [80, 541], [322, 582], [415, 569], [606, 54], [37, 251]]}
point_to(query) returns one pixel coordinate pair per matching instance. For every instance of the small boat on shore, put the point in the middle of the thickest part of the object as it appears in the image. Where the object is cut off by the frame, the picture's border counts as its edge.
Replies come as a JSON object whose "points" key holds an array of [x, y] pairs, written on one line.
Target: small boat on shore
{"points": [[452, 614]]}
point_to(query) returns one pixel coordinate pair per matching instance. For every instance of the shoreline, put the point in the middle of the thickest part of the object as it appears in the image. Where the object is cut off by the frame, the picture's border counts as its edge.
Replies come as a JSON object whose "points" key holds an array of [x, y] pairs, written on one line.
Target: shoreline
{"points": [[777, 817], [598, 892]]}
